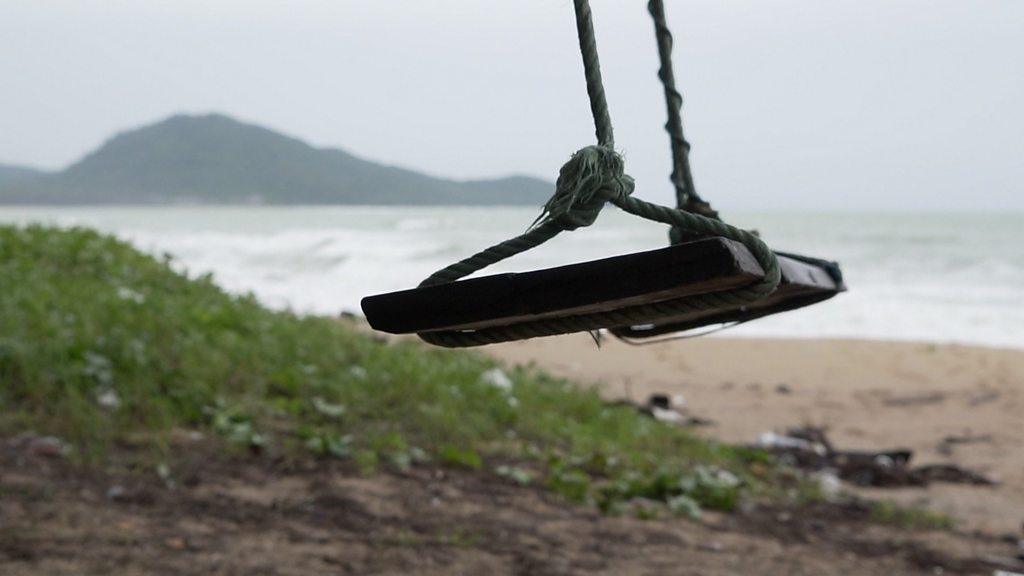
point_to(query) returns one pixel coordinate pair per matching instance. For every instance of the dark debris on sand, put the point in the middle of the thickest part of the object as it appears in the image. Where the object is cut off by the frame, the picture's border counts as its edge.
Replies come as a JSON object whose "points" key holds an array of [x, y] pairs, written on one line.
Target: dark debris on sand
{"points": [[810, 449]]}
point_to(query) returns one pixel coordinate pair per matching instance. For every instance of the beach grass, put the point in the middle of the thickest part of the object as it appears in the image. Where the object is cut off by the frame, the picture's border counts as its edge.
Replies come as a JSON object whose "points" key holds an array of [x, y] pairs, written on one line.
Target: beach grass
{"points": [[100, 342], [911, 517]]}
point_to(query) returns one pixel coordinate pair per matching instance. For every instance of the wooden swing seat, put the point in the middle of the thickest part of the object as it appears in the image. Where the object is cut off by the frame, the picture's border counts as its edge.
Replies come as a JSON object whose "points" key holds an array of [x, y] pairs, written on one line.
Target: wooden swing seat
{"points": [[698, 267], [805, 281]]}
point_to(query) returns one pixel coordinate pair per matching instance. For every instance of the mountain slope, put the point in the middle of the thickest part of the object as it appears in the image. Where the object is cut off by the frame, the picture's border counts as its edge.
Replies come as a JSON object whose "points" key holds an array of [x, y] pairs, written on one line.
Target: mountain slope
{"points": [[10, 174], [218, 160]]}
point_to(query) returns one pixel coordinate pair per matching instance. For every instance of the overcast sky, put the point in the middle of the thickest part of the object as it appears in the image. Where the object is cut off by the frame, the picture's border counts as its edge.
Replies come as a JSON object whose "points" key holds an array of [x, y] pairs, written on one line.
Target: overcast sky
{"points": [[864, 104]]}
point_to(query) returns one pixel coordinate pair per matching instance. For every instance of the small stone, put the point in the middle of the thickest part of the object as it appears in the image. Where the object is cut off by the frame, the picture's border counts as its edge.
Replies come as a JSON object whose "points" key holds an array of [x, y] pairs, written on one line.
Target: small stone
{"points": [[182, 436], [496, 377], [829, 484], [328, 409], [108, 398], [781, 441], [711, 546], [163, 471], [130, 295], [670, 416], [48, 446], [116, 492]]}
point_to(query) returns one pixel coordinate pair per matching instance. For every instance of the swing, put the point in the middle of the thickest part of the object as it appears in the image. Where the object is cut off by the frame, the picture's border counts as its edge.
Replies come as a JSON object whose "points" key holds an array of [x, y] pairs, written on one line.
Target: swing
{"points": [[712, 273], [804, 281]]}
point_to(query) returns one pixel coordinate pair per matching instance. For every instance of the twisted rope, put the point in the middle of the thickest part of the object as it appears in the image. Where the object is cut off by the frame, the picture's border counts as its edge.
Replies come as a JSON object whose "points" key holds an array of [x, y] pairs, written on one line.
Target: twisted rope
{"points": [[592, 72], [593, 177], [687, 197]]}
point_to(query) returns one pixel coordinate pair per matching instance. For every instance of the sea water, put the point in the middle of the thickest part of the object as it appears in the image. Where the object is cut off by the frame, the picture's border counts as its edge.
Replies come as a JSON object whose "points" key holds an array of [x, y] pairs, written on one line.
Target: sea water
{"points": [[912, 276]]}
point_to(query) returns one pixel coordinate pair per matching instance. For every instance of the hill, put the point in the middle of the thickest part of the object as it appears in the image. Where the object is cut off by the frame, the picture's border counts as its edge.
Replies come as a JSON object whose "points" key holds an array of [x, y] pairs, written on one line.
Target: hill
{"points": [[215, 159], [11, 175]]}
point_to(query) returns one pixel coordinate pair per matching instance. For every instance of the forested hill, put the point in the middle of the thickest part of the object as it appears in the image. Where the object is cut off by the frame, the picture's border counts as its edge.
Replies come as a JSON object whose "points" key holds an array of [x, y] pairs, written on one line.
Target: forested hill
{"points": [[215, 159]]}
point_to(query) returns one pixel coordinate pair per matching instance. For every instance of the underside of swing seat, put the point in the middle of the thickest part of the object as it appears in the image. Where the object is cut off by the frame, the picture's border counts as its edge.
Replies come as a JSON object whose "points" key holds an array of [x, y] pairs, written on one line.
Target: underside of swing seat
{"points": [[698, 267], [804, 281]]}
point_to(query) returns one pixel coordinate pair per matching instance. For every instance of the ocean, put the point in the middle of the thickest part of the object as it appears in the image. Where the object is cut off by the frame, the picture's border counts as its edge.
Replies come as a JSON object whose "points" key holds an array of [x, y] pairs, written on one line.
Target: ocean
{"points": [[923, 276]]}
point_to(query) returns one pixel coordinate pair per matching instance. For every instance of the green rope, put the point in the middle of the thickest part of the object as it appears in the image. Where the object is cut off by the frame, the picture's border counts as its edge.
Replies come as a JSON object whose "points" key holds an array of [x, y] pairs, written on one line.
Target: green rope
{"points": [[682, 176], [687, 197], [592, 177], [592, 72]]}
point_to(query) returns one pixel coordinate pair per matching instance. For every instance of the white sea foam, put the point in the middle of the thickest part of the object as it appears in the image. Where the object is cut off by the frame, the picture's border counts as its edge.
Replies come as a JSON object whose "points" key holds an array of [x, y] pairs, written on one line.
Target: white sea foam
{"points": [[934, 277]]}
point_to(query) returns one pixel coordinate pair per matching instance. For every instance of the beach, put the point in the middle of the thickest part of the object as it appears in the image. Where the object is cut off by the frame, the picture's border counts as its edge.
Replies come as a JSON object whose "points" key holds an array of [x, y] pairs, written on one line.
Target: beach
{"points": [[870, 395], [201, 432]]}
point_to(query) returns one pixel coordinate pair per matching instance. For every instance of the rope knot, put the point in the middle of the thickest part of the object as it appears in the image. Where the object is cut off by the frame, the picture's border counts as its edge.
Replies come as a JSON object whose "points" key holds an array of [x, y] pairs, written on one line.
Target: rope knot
{"points": [[592, 176]]}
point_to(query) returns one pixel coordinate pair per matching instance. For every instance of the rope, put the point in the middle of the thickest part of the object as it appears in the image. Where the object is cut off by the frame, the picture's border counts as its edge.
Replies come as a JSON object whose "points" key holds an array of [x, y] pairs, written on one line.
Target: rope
{"points": [[674, 337], [592, 72], [687, 197], [592, 177]]}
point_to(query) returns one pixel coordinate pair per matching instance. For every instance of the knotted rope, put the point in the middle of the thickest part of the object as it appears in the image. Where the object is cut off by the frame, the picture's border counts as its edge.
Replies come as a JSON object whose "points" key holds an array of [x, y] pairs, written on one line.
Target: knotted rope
{"points": [[594, 176], [591, 178]]}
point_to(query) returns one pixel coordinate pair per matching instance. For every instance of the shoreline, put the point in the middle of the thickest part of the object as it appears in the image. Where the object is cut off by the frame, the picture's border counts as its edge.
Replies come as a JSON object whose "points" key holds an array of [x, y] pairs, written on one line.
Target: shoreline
{"points": [[943, 283]]}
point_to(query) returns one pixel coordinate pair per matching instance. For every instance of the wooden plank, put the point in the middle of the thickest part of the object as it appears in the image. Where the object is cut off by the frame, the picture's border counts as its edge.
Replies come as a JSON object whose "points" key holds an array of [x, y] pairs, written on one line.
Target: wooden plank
{"points": [[805, 281], [702, 266]]}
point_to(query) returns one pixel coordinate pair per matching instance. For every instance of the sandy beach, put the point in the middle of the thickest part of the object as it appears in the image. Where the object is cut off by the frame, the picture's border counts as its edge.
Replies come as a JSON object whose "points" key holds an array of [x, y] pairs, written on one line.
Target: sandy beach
{"points": [[870, 395]]}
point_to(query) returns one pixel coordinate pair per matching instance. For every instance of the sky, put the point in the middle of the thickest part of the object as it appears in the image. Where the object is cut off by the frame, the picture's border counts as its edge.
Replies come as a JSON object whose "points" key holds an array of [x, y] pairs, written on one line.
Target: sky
{"points": [[812, 105]]}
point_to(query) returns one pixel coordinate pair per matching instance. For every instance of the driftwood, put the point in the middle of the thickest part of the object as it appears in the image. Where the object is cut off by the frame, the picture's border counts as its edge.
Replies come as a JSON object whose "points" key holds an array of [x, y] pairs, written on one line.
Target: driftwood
{"points": [[809, 448]]}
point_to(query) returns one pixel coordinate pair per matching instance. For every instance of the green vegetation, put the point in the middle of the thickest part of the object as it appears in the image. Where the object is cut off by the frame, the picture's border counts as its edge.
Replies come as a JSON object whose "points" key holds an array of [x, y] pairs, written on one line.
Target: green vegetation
{"points": [[886, 512], [215, 159], [99, 343]]}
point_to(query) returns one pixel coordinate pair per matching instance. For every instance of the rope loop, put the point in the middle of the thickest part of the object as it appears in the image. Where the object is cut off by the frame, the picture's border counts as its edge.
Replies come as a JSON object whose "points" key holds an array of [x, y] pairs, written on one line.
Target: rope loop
{"points": [[592, 177]]}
